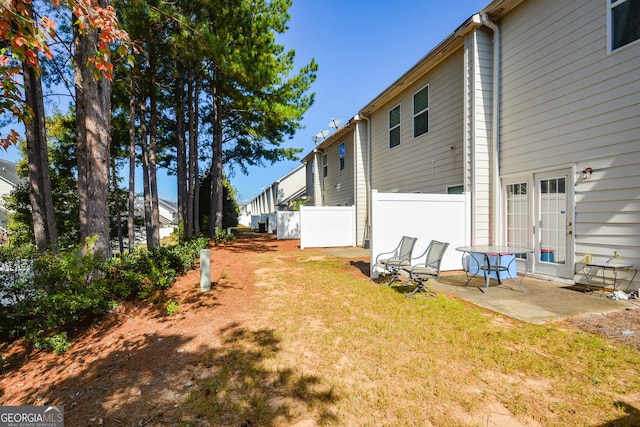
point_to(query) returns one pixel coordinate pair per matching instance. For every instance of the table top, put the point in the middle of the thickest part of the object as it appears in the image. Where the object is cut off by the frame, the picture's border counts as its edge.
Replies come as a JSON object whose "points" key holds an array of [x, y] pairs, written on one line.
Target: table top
{"points": [[495, 249], [609, 265]]}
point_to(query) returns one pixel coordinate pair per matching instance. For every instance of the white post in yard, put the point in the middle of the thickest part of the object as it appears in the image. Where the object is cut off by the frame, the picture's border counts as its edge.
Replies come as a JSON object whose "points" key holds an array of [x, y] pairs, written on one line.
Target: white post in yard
{"points": [[205, 270]]}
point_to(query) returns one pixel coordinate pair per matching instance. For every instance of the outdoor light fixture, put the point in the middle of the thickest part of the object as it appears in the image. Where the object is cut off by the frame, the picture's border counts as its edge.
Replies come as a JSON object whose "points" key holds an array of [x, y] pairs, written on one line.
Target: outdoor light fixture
{"points": [[586, 173]]}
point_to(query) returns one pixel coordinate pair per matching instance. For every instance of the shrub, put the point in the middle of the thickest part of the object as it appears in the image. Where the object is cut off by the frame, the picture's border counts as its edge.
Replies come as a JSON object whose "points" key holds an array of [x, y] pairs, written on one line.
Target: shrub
{"points": [[222, 237], [61, 290]]}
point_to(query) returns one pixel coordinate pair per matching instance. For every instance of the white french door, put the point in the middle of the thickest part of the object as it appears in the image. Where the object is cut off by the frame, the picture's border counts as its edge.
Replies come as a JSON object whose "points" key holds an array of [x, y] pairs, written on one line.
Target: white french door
{"points": [[553, 231], [539, 215]]}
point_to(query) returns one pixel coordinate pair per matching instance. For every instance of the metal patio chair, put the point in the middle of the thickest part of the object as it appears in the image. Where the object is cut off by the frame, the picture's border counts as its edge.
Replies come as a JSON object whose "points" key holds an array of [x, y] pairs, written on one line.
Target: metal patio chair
{"points": [[391, 262], [430, 269]]}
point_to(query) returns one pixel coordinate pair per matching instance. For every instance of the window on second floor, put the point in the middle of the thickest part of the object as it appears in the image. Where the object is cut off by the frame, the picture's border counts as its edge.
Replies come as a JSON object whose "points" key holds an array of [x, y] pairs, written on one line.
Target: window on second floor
{"points": [[341, 156], [394, 126], [421, 112], [624, 22], [325, 165]]}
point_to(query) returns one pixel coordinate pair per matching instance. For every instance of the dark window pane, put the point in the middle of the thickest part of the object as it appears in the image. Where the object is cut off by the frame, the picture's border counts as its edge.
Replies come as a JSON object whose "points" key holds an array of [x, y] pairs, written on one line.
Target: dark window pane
{"points": [[394, 117], [421, 124], [626, 23], [421, 100], [394, 137]]}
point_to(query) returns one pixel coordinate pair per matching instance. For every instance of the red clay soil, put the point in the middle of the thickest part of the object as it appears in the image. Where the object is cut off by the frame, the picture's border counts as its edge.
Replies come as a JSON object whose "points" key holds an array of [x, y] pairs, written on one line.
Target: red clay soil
{"points": [[134, 367]]}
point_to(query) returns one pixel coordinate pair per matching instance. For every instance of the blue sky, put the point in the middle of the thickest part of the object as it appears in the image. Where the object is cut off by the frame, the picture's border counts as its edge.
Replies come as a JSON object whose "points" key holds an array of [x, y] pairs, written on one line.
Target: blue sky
{"points": [[361, 47]]}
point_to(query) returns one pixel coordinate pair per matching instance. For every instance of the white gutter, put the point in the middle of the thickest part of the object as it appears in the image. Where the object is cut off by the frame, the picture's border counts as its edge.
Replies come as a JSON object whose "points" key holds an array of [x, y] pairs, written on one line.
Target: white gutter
{"points": [[496, 236]]}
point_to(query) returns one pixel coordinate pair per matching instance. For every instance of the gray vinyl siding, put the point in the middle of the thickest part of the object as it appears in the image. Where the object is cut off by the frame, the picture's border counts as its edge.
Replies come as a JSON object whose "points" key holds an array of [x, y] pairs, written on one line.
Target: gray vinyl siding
{"points": [[289, 185], [425, 164], [309, 173], [478, 126], [567, 102], [339, 184], [360, 177]]}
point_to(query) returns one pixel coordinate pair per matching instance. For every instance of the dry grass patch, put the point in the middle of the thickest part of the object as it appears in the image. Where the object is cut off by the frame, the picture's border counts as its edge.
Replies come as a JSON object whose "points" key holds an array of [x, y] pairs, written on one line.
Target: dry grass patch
{"points": [[343, 350]]}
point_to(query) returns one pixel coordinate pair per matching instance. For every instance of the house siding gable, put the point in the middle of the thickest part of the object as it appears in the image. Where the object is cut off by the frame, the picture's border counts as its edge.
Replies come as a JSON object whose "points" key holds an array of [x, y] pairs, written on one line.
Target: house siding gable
{"points": [[427, 163], [567, 101], [339, 184]]}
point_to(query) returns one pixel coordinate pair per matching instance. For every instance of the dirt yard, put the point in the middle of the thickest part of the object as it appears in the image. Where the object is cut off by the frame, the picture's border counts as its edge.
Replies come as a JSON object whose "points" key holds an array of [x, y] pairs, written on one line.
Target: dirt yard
{"points": [[136, 366]]}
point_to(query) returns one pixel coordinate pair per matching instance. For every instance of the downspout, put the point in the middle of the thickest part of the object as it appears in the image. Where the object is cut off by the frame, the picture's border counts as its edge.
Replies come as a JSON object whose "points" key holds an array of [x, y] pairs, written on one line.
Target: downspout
{"points": [[367, 182], [496, 236]]}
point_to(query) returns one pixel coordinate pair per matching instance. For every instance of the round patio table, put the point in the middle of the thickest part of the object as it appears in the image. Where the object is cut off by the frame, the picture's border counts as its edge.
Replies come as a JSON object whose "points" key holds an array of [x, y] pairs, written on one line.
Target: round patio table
{"points": [[487, 268]]}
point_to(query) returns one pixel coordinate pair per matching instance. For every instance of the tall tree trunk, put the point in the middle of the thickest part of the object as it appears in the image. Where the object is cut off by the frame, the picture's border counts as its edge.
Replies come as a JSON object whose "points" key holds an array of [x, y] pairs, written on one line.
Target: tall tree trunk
{"points": [[194, 148], [40, 195], [148, 218], [216, 161], [153, 179], [181, 153], [132, 167], [93, 113], [191, 172], [118, 213]]}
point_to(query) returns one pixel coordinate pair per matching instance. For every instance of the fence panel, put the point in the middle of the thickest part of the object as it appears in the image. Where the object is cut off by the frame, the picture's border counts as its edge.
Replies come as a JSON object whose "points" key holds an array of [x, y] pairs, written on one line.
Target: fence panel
{"points": [[327, 226], [444, 217], [288, 225]]}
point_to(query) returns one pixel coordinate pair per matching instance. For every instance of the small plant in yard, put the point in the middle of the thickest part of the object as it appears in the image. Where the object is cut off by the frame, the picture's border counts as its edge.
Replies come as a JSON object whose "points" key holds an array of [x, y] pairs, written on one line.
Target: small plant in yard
{"points": [[222, 237], [58, 343], [4, 361], [172, 307]]}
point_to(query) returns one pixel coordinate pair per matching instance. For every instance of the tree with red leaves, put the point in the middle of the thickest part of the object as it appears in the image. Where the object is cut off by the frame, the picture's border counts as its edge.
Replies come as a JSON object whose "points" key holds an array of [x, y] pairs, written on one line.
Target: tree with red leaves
{"points": [[23, 39]]}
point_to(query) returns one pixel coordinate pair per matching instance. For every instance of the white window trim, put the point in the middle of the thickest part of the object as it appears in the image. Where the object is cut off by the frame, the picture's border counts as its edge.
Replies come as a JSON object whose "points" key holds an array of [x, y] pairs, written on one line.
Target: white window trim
{"points": [[389, 128], [610, 6], [428, 110]]}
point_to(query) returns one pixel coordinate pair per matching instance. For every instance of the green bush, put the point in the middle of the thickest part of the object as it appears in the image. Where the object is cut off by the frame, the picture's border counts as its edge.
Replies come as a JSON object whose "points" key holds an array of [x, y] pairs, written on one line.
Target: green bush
{"points": [[222, 237], [61, 290]]}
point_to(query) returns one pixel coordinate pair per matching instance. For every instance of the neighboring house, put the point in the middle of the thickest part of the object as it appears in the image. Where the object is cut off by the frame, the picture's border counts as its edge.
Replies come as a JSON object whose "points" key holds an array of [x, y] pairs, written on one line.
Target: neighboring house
{"points": [[280, 194], [168, 212], [531, 106], [8, 181], [336, 172]]}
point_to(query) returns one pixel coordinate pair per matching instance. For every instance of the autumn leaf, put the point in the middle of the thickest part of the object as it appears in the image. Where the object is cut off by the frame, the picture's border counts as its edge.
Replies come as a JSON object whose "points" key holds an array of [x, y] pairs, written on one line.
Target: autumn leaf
{"points": [[19, 41]]}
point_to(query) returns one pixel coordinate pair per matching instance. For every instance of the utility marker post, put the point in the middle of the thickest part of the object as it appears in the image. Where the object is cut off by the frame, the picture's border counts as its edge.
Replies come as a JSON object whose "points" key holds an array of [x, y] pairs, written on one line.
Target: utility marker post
{"points": [[205, 270]]}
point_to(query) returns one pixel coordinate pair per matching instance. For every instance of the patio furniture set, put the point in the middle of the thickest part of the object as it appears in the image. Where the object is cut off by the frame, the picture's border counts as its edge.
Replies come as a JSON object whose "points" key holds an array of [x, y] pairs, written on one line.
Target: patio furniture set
{"points": [[492, 262], [398, 264]]}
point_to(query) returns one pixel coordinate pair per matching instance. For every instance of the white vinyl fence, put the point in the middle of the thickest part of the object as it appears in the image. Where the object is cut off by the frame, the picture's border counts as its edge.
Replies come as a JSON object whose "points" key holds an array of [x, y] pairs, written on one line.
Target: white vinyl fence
{"points": [[444, 217], [255, 219], [327, 226], [288, 225]]}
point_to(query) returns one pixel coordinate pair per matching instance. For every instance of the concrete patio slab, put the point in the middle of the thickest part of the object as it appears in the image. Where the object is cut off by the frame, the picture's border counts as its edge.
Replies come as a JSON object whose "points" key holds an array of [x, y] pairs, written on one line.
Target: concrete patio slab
{"points": [[543, 301]]}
